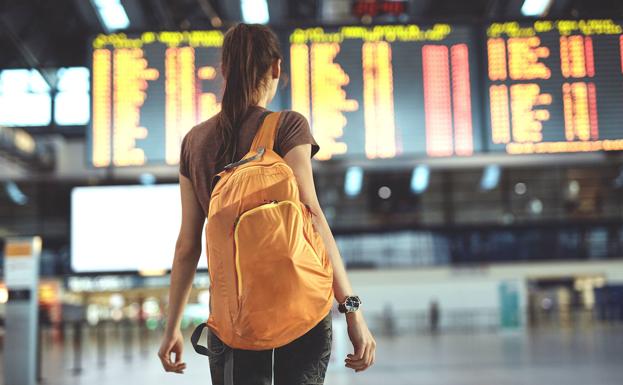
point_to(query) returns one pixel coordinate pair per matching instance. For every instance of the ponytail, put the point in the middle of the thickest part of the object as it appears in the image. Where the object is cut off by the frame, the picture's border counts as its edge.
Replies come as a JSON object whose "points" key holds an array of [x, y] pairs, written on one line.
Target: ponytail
{"points": [[248, 53]]}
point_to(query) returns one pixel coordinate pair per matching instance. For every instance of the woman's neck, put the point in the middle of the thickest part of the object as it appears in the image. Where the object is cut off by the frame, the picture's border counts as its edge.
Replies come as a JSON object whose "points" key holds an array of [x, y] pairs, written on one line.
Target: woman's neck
{"points": [[263, 101]]}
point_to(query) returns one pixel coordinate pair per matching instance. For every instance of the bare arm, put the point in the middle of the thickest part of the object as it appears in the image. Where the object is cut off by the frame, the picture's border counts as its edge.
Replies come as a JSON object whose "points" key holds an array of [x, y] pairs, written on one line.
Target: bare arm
{"points": [[299, 160], [187, 253]]}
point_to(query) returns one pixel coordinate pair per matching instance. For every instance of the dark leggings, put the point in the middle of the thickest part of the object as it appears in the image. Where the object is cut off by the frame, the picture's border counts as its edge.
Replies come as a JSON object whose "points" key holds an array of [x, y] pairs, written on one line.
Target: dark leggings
{"points": [[303, 361]]}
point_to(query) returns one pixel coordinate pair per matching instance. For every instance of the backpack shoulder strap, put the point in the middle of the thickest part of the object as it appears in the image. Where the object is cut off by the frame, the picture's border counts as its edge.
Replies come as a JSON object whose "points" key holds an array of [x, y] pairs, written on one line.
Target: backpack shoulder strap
{"points": [[264, 140], [265, 136]]}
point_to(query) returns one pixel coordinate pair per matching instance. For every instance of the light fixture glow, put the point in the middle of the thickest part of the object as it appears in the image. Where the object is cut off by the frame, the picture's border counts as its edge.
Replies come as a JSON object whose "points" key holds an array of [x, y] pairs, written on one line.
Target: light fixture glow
{"points": [[4, 295], [385, 192], [254, 11], [490, 177], [353, 180], [520, 188], [112, 14], [71, 103], [147, 179], [152, 272], [419, 179], [536, 206], [535, 8], [15, 193], [24, 98]]}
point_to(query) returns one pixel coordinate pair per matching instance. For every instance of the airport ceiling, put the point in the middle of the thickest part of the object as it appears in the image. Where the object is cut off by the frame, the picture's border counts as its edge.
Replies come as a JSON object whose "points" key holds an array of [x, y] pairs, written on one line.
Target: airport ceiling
{"points": [[48, 34]]}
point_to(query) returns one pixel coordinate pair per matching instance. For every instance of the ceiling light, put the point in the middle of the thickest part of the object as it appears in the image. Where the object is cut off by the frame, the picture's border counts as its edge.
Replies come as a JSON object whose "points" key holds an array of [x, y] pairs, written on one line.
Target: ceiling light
{"points": [[254, 11], [112, 14], [535, 8]]}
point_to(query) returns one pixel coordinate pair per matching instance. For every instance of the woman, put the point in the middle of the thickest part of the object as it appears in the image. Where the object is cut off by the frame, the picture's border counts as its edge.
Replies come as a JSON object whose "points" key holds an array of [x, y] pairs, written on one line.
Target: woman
{"points": [[251, 66]]}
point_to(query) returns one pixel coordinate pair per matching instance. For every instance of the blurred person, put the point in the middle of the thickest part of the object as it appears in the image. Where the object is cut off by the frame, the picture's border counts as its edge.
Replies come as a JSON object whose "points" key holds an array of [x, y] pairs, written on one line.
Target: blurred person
{"points": [[389, 320], [433, 315], [251, 67]]}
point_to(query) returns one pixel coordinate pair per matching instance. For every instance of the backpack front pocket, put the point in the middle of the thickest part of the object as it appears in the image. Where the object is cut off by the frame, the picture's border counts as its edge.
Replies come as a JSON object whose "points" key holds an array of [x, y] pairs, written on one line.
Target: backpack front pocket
{"points": [[278, 273]]}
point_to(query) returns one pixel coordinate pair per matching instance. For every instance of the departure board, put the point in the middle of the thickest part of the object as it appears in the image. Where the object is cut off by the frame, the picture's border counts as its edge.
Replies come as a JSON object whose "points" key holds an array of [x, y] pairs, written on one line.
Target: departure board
{"points": [[387, 90], [555, 86], [148, 91]]}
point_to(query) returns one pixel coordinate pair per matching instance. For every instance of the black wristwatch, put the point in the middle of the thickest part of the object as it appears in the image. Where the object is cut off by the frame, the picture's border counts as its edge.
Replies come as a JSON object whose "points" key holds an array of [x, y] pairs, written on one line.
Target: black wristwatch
{"points": [[350, 304]]}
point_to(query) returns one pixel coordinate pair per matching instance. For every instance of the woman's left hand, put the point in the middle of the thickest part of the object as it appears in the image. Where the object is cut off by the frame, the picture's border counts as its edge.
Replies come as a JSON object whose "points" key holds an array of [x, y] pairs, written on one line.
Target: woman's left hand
{"points": [[363, 342]]}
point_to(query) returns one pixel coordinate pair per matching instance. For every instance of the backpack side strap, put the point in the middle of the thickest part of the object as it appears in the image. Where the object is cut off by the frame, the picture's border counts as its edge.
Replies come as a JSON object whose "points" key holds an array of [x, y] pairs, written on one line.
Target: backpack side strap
{"points": [[265, 136]]}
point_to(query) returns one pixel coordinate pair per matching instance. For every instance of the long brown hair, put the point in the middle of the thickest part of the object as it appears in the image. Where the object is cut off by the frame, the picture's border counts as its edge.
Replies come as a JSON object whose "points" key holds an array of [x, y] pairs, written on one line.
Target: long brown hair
{"points": [[248, 53]]}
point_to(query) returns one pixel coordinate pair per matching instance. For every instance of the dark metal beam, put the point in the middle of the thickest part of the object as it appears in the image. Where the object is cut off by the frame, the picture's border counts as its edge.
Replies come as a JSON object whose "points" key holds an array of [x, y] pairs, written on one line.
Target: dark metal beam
{"points": [[211, 14], [17, 144], [27, 55], [231, 11], [136, 15], [163, 14]]}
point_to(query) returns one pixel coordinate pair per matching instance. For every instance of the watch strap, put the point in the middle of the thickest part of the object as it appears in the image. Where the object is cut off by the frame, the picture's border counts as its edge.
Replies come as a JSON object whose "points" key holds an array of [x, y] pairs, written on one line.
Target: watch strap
{"points": [[341, 308]]}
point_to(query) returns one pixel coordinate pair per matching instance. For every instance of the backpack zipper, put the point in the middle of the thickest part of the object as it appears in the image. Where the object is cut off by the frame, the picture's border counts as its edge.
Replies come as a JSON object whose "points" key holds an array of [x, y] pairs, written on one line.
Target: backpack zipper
{"points": [[237, 219]]}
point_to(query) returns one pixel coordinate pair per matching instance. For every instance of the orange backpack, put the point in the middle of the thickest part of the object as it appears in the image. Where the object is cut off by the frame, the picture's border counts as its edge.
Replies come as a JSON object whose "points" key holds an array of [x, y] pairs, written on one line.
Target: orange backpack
{"points": [[270, 276]]}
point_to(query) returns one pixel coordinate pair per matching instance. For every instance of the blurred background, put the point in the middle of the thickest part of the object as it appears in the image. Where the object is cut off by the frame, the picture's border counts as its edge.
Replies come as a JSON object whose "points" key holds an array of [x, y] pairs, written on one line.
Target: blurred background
{"points": [[470, 168]]}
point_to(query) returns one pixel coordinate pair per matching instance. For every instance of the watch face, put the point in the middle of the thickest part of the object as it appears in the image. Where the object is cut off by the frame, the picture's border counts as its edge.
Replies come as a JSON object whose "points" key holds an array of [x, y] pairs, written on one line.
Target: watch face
{"points": [[352, 303]]}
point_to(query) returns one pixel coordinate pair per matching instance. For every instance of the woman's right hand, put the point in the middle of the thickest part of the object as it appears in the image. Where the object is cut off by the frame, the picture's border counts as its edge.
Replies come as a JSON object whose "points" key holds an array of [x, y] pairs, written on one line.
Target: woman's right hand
{"points": [[172, 343], [362, 340]]}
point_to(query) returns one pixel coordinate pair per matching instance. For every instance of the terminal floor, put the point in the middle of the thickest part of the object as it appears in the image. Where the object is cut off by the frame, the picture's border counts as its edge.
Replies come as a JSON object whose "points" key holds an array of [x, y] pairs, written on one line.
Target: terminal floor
{"points": [[552, 357]]}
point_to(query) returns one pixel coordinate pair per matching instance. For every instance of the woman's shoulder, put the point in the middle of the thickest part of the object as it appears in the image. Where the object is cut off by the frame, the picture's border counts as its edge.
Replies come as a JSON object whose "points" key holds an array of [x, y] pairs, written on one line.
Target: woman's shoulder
{"points": [[293, 118], [294, 130], [202, 130], [292, 123]]}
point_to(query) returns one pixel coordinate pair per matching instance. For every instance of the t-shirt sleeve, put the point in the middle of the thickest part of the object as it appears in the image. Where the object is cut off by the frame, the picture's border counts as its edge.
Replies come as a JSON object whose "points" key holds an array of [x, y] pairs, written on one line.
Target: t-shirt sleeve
{"points": [[185, 156], [294, 130]]}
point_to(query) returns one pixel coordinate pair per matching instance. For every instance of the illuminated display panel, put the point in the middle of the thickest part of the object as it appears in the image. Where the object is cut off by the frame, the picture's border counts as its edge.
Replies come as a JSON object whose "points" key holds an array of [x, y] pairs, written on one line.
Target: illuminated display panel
{"points": [[148, 91], [555, 86], [125, 228], [387, 91]]}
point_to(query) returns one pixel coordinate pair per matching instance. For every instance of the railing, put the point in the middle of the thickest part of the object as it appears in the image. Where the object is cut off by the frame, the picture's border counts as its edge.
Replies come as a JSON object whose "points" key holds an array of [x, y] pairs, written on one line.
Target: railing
{"points": [[472, 321], [478, 244]]}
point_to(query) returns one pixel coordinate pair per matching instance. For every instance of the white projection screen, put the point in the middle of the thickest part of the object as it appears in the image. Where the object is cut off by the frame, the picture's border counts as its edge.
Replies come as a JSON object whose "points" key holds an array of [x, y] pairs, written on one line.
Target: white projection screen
{"points": [[125, 228]]}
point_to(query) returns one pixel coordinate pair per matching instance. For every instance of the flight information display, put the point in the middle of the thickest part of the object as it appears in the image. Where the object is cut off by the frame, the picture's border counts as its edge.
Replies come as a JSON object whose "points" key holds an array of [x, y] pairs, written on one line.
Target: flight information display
{"points": [[555, 86], [387, 90], [148, 91]]}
